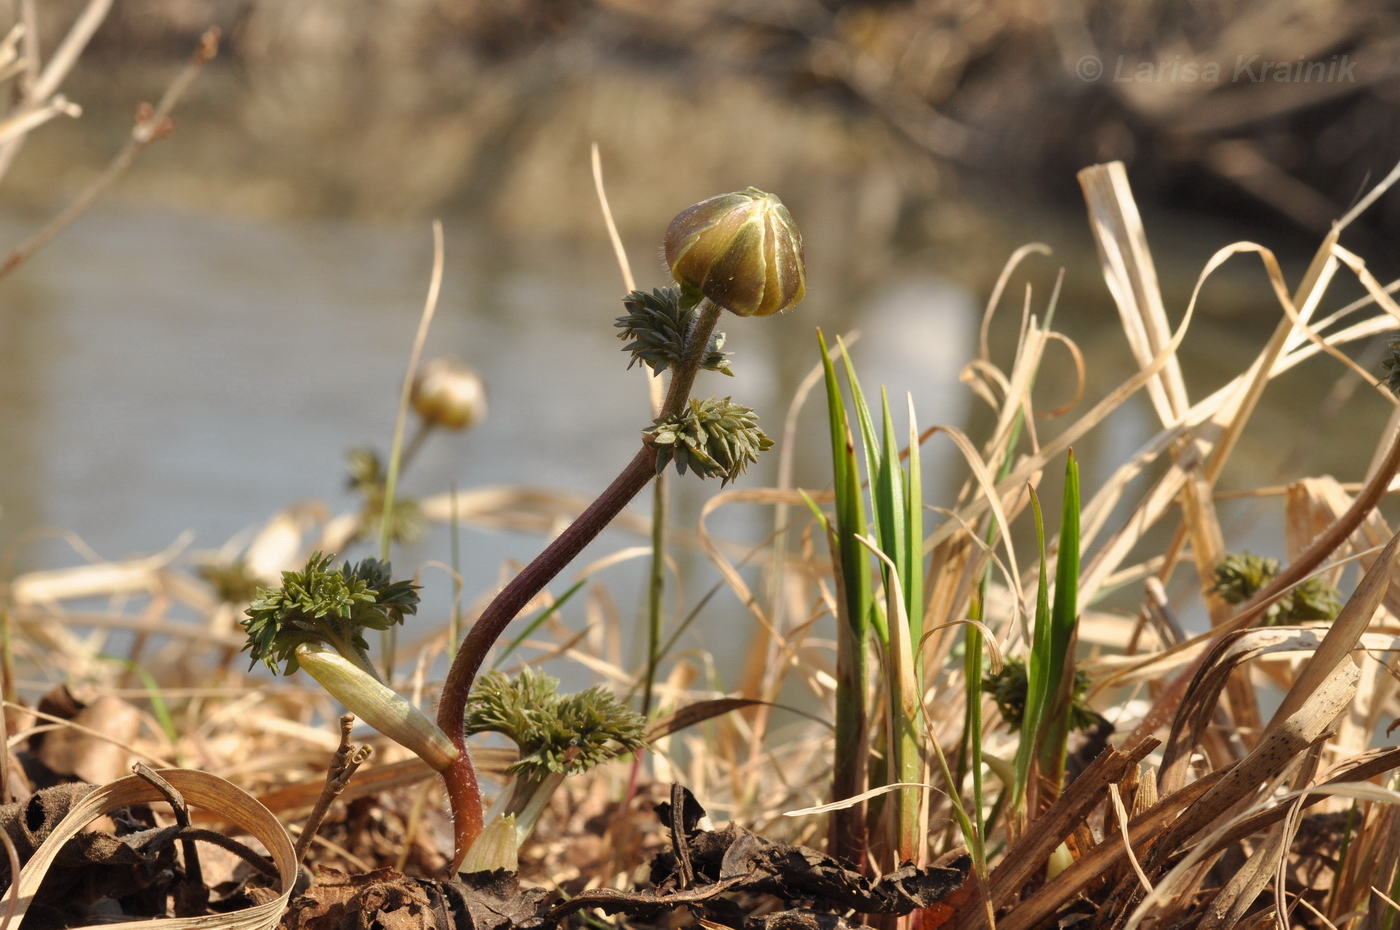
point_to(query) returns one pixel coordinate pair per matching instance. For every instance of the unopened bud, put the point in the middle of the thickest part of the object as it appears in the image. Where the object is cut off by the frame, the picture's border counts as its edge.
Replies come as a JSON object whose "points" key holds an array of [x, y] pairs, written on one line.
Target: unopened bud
{"points": [[741, 250]]}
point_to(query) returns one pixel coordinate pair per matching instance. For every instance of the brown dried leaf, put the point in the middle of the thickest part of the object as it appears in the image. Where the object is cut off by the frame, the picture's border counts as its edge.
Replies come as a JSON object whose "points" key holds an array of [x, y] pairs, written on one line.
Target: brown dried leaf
{"points": [[94, 759]]}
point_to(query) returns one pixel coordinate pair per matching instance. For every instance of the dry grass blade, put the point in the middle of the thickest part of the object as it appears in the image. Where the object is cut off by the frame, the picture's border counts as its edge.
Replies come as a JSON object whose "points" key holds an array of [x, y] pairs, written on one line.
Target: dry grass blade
{"points": [[200, 788], [1096, 415], [1047, 831], [1144, 828], [1132, 280], [11, 893], [518, 508], [1278, 748], [1033, 248], [1230, 903], [1341, 637], [1125, 834], [135, 576]]}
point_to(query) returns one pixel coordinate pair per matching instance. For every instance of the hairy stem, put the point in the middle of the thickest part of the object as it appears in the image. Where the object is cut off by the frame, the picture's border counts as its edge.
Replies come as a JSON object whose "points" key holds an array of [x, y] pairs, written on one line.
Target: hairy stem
{"points": [[460, 777]]}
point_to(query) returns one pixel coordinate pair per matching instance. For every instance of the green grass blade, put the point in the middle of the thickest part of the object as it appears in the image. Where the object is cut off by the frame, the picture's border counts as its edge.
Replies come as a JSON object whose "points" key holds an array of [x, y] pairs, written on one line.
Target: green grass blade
{"points": [[847, 835], [535, 624], [972, 730], [852, 517], [1036, 672], [850, 509], [887, 495], [656, 587], [869, 438], [914, 537], [1064, 616]]}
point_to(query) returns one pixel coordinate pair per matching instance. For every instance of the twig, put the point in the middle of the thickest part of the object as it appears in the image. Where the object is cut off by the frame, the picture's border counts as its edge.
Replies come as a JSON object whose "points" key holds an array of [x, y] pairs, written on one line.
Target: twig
{"points": [[192, 898], [38, 84], [151, 124], [66, 55], [343, 764], [679, 842]]}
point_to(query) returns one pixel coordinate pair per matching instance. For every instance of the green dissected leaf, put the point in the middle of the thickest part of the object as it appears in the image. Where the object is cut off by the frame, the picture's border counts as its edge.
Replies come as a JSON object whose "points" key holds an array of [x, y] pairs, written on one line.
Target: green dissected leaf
{"points": [[325, 605], [563, 734], [366, 472], [367, 478], [713, 438], [656, 324], [1392, 366], [233, 582], [1009, 690], [1240, 576]]}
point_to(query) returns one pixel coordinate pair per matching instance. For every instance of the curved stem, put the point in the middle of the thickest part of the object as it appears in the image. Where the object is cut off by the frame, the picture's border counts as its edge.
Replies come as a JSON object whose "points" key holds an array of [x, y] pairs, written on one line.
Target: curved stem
{"points": [[460, 778]]}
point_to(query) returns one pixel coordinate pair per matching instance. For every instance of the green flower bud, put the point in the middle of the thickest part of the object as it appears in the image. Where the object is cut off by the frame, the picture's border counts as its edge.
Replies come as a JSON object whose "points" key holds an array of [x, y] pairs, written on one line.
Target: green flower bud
{"points": [[741, 250], [447, 393], [378, 705]]}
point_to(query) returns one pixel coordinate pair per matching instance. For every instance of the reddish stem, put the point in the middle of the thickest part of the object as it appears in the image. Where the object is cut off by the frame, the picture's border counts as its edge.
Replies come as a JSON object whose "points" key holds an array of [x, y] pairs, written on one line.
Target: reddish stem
{"points": [[464, 798], [463, 791], [498, 615]]}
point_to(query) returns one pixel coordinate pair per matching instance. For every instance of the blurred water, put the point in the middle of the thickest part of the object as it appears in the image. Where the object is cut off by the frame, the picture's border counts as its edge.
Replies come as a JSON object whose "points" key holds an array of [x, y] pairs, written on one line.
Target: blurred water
{"points": [[167, 372]]}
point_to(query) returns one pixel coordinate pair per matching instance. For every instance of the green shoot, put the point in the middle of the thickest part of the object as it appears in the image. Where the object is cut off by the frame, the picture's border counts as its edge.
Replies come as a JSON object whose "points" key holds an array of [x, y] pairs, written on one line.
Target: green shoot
{"points": [[558, 735], [847, 832], [1050, 672], [325, 605], [896, 502], [1064, 623]]}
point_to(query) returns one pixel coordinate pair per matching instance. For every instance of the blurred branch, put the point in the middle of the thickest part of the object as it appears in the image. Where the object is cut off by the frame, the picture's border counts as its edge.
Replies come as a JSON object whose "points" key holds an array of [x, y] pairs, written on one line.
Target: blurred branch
{"points": [[68, 51], [151, 124], [38, 83]]}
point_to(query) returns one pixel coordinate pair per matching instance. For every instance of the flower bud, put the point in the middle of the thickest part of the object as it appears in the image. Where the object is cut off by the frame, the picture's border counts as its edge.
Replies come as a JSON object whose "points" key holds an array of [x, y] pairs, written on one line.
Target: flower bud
{"points": [[741, 250], [447, 393], [378, 705]]}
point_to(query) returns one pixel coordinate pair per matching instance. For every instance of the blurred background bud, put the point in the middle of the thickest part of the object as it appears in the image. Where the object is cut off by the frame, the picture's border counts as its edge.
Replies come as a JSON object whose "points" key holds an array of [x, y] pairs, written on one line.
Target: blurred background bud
{"points": [[448, 394]]}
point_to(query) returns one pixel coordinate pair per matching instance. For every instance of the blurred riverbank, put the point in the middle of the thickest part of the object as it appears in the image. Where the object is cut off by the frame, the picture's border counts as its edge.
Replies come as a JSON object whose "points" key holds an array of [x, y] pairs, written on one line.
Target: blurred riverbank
{"points": [[1272, 112]]}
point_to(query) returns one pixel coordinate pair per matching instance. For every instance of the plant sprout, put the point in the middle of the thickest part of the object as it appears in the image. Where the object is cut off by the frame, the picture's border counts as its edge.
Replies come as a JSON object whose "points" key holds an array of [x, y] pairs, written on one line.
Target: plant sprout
{"points": [[1240, 576], [558, 735], [740, 252]]}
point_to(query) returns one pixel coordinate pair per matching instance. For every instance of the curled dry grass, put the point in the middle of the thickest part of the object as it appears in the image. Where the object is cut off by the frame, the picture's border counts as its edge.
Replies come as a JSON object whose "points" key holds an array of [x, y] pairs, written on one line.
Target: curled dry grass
{"points": [[1190, 817]]}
